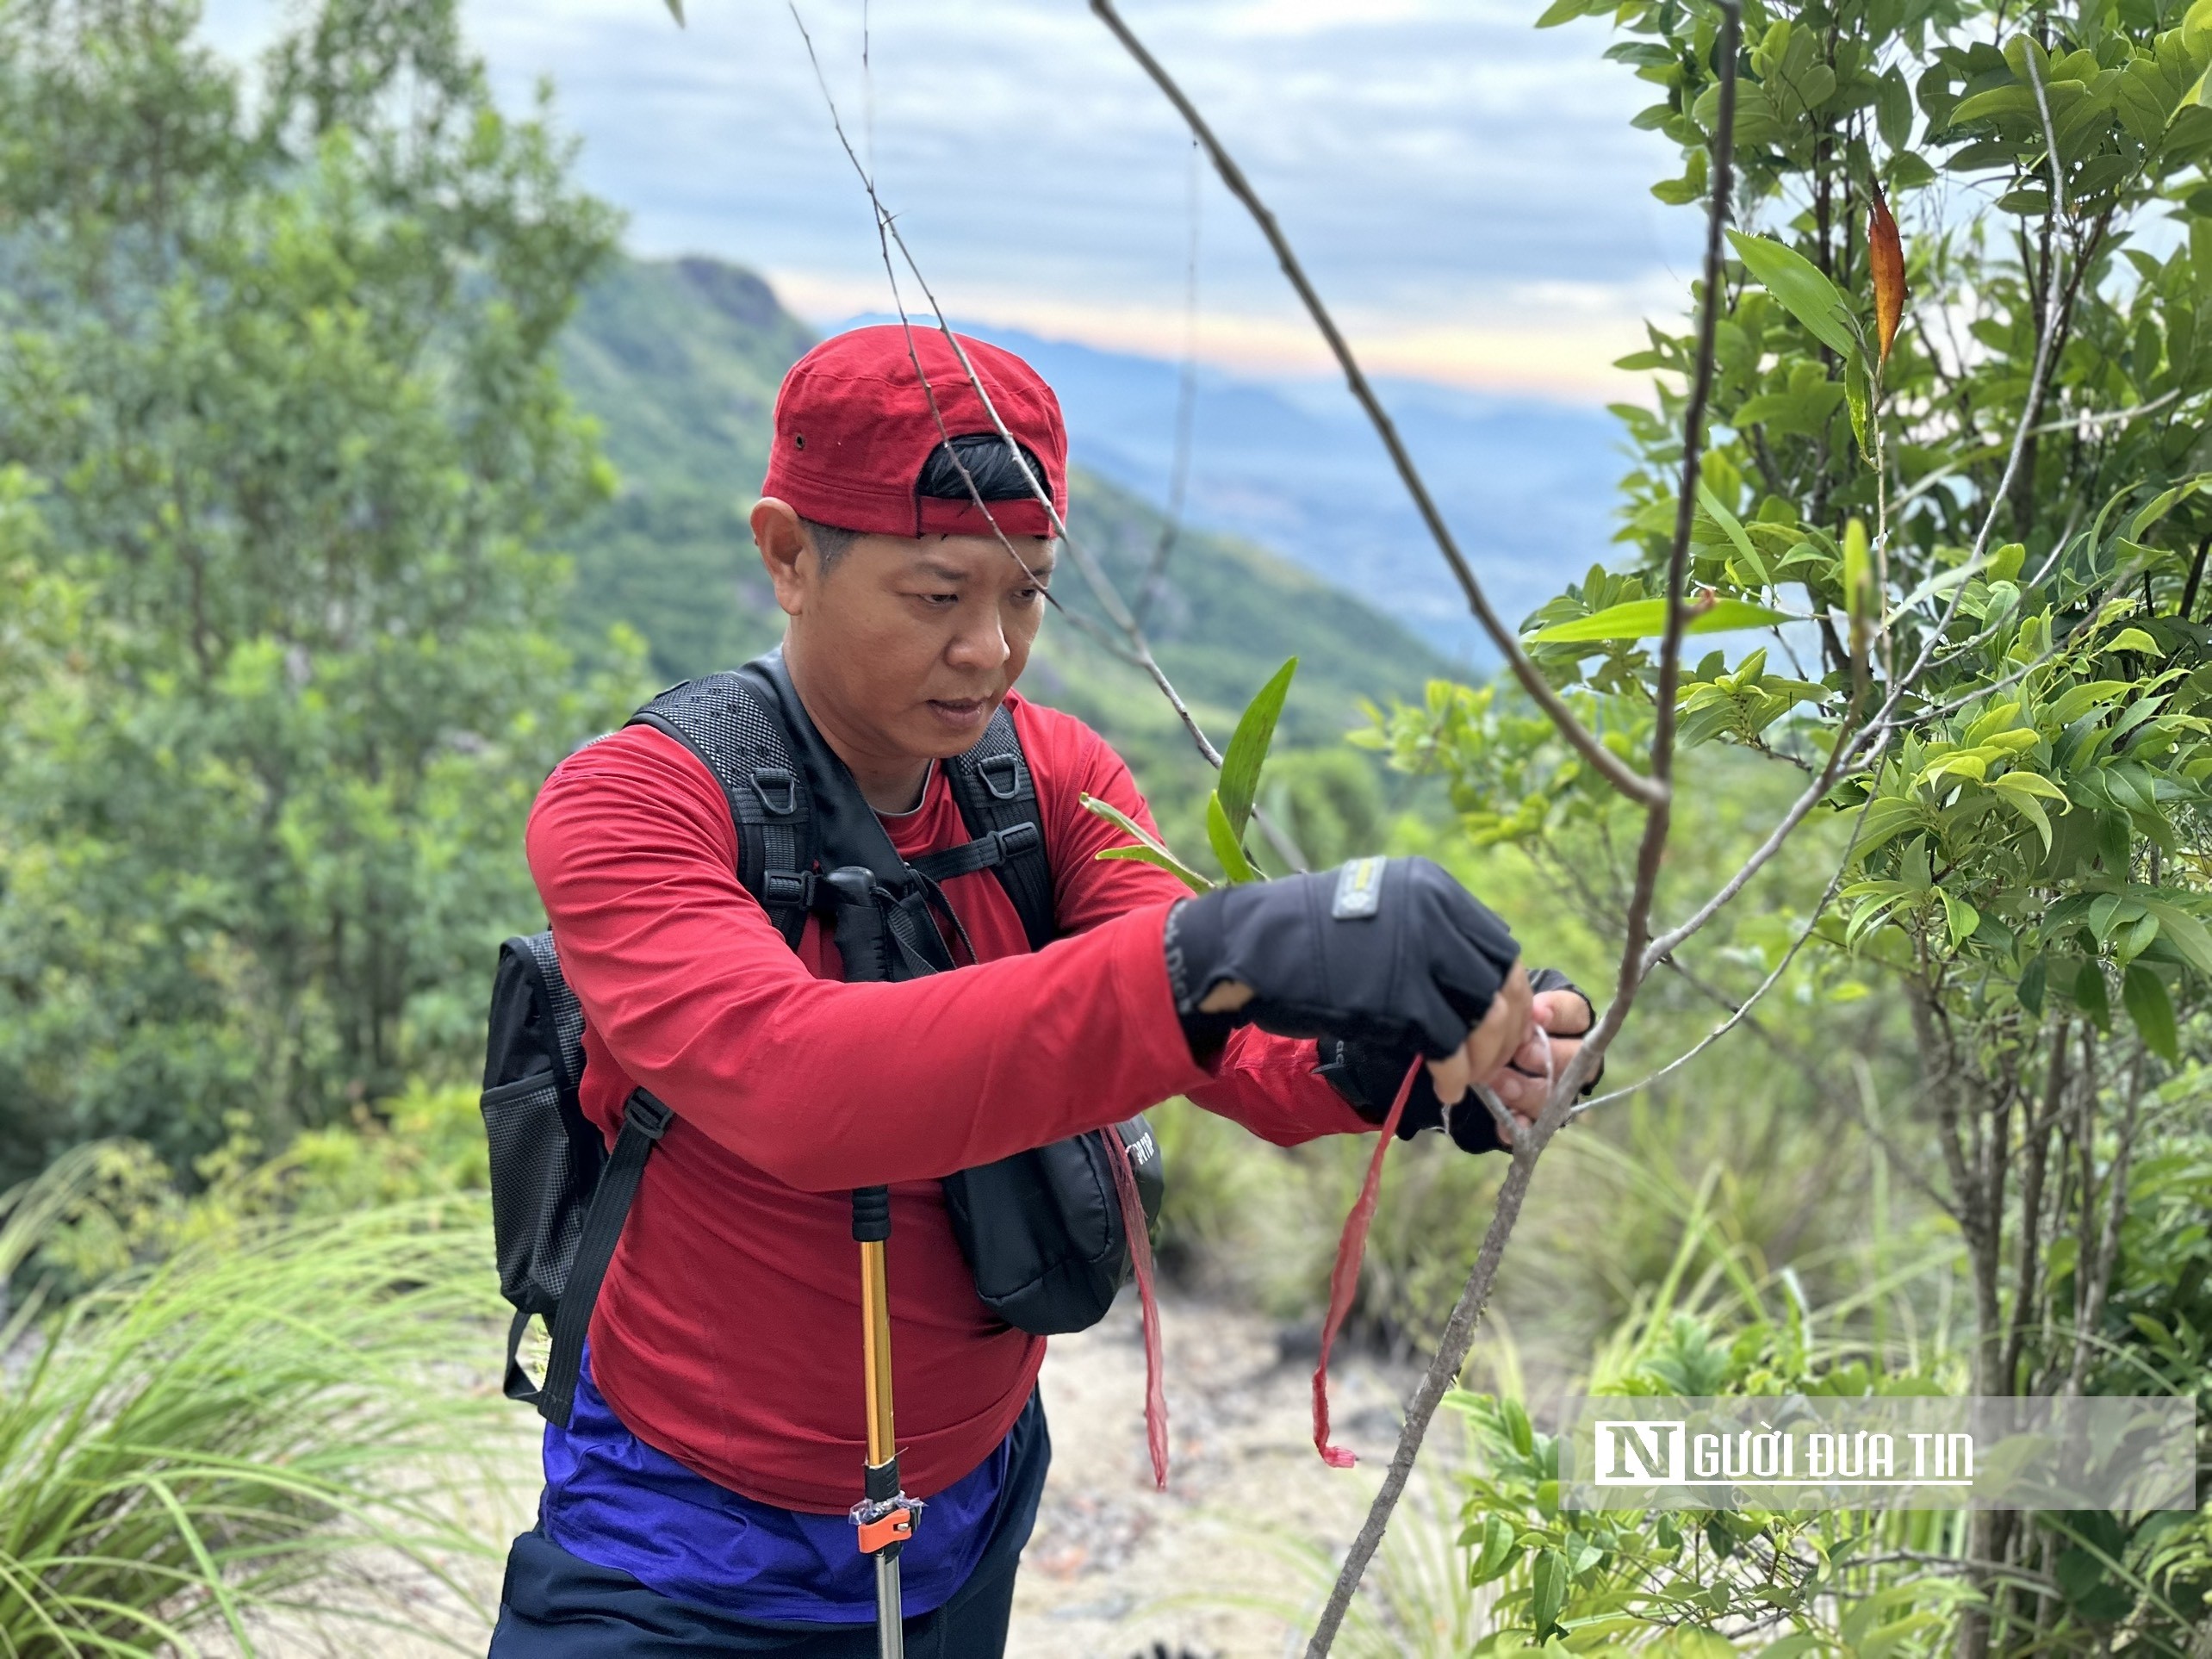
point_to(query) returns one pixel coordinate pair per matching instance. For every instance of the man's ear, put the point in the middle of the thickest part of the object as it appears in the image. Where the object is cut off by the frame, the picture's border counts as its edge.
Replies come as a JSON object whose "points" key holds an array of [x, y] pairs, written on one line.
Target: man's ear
{"points": [[790, 562]]}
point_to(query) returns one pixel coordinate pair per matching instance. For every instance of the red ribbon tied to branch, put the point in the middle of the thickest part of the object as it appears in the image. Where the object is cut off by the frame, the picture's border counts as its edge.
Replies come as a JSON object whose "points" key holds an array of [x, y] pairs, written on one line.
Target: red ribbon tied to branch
{"points": [[1343, 1277]]}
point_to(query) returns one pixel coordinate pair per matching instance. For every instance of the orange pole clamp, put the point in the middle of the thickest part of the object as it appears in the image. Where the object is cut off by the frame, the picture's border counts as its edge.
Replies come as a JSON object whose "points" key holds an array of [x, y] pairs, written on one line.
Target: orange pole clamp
{"points": [[896, 1527]]}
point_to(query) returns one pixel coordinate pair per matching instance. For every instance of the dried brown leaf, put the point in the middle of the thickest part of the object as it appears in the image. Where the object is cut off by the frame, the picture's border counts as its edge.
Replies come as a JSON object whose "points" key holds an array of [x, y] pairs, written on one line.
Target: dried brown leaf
{"points": [[1885, 256]]}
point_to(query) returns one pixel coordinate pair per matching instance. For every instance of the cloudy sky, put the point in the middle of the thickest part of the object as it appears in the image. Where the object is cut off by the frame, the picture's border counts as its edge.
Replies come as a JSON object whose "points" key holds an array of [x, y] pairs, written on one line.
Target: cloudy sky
{"points": [[1464, 189]]}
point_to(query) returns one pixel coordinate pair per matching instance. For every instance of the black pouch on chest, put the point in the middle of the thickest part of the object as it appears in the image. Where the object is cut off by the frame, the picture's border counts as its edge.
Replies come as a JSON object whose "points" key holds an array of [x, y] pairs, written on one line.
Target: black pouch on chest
{"points": [[1041, 1230]]}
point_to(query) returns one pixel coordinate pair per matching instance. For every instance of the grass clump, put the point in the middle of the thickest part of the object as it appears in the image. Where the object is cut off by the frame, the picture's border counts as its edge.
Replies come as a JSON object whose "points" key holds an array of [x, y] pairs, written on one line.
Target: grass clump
{"points": [[192, 1447]]}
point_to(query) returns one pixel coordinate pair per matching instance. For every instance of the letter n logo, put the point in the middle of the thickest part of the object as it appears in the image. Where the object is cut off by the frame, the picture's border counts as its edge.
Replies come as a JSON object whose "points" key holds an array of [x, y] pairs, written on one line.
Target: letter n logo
{"points": [[1642, 1454]]}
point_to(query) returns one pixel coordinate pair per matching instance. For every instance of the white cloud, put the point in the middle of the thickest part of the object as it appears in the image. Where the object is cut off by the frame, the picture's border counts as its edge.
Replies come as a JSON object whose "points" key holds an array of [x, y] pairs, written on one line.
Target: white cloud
{"points": [[1465, 188]]}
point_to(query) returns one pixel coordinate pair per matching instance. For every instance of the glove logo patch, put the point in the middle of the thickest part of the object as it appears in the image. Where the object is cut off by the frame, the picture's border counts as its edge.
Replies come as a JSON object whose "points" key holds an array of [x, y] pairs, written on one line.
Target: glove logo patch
{"points": [[1358, 889]]}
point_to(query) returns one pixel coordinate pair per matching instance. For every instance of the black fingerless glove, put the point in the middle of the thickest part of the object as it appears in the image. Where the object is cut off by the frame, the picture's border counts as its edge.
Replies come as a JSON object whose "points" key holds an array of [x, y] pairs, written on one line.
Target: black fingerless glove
{"points": [[1389, 952], [1368, 1076]]}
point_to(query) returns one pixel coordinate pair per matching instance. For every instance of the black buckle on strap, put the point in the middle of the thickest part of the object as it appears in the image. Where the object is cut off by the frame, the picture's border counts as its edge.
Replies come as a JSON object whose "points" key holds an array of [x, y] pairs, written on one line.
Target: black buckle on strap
{"points": [[782, 887], [1017, 838], [646, 1114], [989, 768], [768, 778]]}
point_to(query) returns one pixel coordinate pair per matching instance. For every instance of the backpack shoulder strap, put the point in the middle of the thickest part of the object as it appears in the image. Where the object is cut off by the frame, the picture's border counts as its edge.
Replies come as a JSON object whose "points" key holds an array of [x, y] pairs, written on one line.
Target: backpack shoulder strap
{"points": [[997, 799], [722, 720]]}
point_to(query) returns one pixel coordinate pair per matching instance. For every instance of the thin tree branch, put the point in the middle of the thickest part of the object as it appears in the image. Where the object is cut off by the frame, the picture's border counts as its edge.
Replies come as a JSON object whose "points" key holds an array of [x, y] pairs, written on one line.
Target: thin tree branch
{"points": [[2028, 409], [1804, 935], [2195, 576], [1608, 764], [1529, 1144], [1814, 793]]}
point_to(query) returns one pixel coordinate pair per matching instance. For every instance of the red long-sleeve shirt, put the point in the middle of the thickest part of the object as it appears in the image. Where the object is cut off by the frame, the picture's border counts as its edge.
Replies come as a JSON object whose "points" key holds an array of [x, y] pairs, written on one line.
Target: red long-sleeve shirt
{"points": [[728, 1331]]}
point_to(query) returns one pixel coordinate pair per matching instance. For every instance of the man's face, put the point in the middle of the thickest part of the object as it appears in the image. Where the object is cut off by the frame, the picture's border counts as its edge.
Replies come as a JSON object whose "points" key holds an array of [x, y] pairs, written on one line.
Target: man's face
{"points": [[906, 647]]}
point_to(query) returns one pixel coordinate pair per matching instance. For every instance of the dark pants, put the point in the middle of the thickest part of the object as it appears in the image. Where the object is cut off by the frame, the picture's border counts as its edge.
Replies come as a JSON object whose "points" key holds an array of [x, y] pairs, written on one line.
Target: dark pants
{"points": [[556, 1607]]}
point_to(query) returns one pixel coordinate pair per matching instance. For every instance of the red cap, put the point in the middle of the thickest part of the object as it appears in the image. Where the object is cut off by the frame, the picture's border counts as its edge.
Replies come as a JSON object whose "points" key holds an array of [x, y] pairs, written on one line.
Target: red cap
{"points": [[854, 429]]}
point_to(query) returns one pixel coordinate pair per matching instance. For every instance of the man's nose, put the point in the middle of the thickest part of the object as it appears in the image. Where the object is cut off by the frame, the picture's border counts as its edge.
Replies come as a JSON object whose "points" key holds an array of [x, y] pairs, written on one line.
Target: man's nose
{"points": [[980, 642]]}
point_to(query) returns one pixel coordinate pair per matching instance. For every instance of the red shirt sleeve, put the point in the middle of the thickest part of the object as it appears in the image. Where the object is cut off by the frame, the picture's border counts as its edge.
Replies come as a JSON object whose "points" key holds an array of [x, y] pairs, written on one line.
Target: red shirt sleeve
{"points": [[825, 1085], [1265, 1083]]}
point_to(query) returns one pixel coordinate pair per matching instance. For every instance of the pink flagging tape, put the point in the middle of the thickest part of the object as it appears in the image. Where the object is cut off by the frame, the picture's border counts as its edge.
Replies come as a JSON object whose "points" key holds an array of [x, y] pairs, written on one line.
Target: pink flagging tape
{"points": [[1343, 1277], [1133, 1223]]}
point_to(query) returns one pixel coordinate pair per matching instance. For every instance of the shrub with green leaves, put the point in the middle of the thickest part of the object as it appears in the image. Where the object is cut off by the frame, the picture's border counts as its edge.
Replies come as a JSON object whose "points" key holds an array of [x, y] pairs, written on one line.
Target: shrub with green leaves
{"points": [[1957, 481]]}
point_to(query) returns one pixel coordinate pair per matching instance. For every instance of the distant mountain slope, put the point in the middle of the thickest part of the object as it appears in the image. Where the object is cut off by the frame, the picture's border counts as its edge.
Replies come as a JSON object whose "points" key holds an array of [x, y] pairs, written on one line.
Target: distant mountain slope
{"points": [[678, 361], [1527, 485]]}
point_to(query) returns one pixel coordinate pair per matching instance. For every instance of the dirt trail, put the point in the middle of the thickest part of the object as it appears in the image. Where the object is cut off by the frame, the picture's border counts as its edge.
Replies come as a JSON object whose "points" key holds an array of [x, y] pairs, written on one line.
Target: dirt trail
{"points": [[1228, 1564], [1251, 1514]]}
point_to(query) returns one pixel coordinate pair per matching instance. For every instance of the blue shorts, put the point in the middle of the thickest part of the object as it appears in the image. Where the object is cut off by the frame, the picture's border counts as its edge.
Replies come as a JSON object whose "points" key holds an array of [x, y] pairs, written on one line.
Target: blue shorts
{"points": [[555, 1605]]}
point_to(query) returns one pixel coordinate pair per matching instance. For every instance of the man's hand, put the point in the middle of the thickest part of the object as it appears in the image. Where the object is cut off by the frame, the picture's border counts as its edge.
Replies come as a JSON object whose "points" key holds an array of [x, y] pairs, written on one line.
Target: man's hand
{"points": [[1368, 1076], [1389, 952], [1506, 1033], [1560, 1015]]}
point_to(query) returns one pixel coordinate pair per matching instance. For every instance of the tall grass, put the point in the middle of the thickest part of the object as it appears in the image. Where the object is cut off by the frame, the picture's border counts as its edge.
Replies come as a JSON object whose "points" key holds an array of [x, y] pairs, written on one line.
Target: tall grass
{"points": [[189, 1450]]}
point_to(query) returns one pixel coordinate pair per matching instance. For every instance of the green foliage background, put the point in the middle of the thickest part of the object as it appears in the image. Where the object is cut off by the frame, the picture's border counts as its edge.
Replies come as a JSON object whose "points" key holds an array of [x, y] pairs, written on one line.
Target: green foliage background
{"points": [[349, 477]]}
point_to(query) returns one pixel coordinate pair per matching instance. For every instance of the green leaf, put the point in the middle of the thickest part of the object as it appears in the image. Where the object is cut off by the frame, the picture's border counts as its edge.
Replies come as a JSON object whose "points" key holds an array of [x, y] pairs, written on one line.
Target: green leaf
{"points": [[1886, 819], [1909, 171], [1858, 392], [2132, 639], [1498, 1554], [1893, 110], [1859, 598], [1548, 1591], [1561, 11], [1225, 843], [1248, 747], [1960, 918], [2027, 807], [1730, 525], [2030, 783], [2185, 932], [1647, 620], [1167, 861], [2089, 993], [2145, 995], [1803, 292], [1999, 103], [1149, 850], [1584, 1553], [676, 11]]}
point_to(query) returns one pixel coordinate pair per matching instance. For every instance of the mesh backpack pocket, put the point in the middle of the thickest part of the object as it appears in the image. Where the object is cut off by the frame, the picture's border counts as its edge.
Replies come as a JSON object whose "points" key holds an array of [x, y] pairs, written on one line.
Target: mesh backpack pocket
{"points": [[545, 1156], [558, 1196]]}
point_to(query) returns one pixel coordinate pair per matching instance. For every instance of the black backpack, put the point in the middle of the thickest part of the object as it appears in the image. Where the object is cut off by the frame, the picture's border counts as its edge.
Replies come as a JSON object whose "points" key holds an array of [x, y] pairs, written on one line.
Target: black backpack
{"points": [[1042, 1230]]}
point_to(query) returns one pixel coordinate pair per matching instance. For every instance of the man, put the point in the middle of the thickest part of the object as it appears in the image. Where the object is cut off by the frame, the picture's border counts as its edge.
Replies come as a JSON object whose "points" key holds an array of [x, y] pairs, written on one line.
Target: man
{"points": [[698, 1500]]}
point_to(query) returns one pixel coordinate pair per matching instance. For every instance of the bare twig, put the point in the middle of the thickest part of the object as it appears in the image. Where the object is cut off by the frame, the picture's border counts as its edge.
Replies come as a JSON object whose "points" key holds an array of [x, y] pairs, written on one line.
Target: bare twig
{"points": [[1529, 1144], [1608, 764], [1803, 937], [1936, 476], [1814, 793]]}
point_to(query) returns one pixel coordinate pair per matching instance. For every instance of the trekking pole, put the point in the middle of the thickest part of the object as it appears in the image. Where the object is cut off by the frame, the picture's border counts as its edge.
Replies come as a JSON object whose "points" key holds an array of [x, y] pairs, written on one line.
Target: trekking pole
{"points": [[885, 1515]]}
